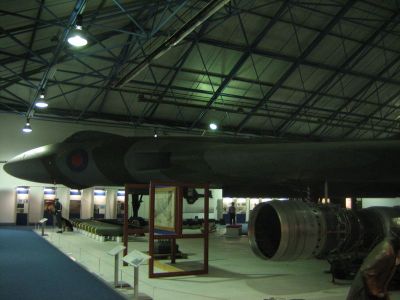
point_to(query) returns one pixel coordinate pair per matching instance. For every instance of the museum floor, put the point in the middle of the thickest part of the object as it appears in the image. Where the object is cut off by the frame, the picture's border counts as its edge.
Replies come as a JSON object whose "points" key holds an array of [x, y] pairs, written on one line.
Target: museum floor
{"points": [[234, 271]]}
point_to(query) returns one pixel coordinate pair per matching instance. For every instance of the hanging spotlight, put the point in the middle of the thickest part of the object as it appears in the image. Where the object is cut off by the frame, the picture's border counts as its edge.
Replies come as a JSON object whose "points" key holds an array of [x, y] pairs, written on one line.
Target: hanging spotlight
{"points": [[77, 37], [27, 128], [41, 103], [213, 126]]}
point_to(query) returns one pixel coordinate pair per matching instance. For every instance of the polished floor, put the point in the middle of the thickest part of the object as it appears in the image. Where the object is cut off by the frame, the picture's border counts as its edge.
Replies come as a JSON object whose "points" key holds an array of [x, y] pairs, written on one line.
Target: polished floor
{"points": [[234, 271]]}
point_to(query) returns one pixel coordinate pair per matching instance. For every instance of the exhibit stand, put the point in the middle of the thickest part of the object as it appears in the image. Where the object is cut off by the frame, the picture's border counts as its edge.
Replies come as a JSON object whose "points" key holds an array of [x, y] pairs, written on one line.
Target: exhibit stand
{"points": [[22, 210], [49, 195], [120, 204], [43, 225], [135, 259], [75, 198], [115, 252], [166, 228], [234, 230]]}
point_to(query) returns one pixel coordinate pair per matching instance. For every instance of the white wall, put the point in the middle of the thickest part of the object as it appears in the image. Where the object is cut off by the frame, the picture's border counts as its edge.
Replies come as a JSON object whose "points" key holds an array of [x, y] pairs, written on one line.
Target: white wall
{"points": [[110, 203], [368, 202], [14, 142], [7, 206], [35, 204], [86, 203]]}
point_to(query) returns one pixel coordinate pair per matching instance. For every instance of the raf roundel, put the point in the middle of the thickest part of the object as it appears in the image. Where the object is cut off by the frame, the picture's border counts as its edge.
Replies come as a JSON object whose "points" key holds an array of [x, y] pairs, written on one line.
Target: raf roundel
{"points": [[77, 160]]}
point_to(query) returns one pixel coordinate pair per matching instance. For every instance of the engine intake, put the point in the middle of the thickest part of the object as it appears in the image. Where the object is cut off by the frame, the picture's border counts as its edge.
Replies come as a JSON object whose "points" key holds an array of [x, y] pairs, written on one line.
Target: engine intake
{"points": [[289, 230]]}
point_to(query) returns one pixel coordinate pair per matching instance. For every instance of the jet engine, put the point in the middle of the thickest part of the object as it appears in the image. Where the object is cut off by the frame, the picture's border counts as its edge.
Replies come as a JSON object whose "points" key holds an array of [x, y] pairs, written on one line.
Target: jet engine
{"points": [[289, 230]]}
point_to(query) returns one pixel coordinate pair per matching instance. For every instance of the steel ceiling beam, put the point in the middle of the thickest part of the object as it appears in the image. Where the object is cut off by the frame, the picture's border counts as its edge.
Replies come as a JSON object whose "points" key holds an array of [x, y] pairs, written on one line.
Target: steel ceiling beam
{"points": [[115, 69], [212, 74], [282, 103], [308, 106], [28, 28], [16, 98], [393, 126], [131, 117], [125, 52], [131, 18], [241, 48], [240, 62], [177, 68], [295, 65], [14, 57], [384, 104], [69, 56], [370, 117], [230, 46], [71, 21], [178, 65], [394, 19], [106, 14], [65, 115], [32, 85], [12, 100], [33, 35], [276, 114], [91, 15], [258, 82], [349, 20], [211, 8], [154, 31], [357, 94], [122, 121], [18, 42], [293, 59], [313, 110]]}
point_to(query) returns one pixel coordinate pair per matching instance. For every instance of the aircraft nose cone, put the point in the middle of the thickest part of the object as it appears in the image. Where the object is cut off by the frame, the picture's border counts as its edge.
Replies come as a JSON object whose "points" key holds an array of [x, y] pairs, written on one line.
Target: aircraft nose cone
{"points": [[30, 169]]}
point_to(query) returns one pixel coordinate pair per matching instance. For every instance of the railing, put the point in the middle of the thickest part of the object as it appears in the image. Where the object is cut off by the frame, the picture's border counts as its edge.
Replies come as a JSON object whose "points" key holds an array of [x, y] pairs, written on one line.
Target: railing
{"points": [[96, 260]]}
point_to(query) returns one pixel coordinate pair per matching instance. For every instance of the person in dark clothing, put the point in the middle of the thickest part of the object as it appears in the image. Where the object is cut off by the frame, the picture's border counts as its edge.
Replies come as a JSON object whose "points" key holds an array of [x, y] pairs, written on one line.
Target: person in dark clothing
{"points": [[58, 213], [377, 270], [232, 213]]}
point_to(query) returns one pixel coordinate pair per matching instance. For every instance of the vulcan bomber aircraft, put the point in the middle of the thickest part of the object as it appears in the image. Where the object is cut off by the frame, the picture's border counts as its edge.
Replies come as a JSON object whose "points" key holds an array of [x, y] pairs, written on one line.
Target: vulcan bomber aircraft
{"points": [[250, 167]]}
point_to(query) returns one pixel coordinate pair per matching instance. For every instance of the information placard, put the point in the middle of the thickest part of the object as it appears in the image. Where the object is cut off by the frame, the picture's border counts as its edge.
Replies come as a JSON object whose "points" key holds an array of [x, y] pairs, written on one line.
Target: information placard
{"points": [[136, 258], [114, 251]]}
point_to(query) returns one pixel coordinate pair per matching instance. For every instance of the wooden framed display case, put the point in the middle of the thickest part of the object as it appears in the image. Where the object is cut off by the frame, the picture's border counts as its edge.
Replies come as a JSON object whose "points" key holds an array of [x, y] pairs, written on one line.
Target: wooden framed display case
{"points": [[166, 224], [129, 190]]}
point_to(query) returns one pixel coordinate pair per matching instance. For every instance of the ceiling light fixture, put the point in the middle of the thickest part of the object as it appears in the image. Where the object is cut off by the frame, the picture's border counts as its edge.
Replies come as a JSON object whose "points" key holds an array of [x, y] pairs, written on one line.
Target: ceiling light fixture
{"points": [[27, 128], [213, 126], [41, 103], [77, 37]]}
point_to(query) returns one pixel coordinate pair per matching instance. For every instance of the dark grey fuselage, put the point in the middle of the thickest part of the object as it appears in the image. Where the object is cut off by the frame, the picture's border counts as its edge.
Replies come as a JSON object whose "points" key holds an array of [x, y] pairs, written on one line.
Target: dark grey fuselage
{"points": [[241, 167]]}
